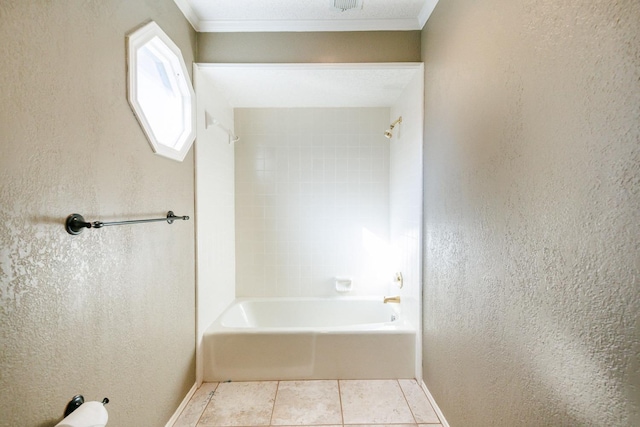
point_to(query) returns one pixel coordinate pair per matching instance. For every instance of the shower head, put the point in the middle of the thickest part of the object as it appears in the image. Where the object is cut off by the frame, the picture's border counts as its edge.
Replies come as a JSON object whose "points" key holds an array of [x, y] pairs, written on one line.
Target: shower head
{"points": [[387, 133]]}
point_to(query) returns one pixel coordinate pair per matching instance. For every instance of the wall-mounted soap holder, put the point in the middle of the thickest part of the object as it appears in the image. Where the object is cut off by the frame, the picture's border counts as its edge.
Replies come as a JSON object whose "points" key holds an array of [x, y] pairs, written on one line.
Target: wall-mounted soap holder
{"points": [[344, 284]]}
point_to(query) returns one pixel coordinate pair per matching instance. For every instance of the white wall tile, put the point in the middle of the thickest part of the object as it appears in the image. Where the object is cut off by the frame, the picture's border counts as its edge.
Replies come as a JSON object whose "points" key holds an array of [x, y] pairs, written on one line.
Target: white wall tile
{"points": [[312, 190]]}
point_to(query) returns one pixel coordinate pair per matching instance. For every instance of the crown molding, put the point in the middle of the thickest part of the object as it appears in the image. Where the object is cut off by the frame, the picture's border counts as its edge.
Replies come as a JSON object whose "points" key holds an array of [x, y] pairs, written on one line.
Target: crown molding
{"points": [[188, 13], [309, 25], [426, 12]]}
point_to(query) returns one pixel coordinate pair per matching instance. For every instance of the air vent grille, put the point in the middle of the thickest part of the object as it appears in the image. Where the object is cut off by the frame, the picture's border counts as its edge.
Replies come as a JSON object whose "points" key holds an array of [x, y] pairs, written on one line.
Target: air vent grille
{"points": [[343, 5]]}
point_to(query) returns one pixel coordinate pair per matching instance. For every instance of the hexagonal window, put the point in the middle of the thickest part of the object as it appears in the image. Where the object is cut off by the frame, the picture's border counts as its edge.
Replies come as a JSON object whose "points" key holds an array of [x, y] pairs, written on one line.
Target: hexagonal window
{"points": [[160, 92]]}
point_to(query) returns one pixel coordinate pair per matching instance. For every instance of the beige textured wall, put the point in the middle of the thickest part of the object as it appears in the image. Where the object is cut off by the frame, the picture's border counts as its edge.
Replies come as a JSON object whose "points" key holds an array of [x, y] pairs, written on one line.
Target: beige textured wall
{"points": [[109, 312], [532, 184], [364, 46]]}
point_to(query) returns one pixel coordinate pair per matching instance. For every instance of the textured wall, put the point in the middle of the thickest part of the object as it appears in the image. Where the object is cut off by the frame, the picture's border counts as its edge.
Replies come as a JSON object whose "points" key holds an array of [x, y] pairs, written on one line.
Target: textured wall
{"points": [[109, 312], [312, 200], [360, 46], [532, 185]]}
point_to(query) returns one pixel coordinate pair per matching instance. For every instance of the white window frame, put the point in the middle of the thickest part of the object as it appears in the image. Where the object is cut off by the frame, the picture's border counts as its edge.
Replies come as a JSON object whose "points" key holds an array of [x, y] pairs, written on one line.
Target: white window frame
{"points": [[166, 52]]}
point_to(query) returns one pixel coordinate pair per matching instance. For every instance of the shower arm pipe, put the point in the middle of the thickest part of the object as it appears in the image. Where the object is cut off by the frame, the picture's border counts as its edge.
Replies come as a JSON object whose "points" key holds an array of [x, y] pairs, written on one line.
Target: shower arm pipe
{"points": [[75, 223], [398, 120], [210, 120], [232, 136]]}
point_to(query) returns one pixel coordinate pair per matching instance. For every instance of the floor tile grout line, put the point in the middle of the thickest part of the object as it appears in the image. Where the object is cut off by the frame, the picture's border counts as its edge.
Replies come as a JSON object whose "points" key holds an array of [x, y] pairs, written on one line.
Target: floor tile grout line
{"points": [[208, 402], [430, 405], [407, 402], [340, 398], [273, 408]]}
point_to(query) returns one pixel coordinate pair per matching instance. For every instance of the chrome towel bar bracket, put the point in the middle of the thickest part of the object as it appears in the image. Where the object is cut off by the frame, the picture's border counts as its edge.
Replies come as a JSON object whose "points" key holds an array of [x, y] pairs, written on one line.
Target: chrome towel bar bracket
{"points": [[75, 223]]}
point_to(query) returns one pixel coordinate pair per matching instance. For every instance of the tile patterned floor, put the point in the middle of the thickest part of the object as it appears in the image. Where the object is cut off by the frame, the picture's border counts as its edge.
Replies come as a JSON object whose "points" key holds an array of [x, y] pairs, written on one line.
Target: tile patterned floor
{"points": [[327, 403]]}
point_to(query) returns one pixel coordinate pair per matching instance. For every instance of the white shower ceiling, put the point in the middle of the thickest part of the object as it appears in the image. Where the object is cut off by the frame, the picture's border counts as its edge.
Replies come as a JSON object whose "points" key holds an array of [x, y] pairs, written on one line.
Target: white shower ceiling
{"points": [[310, 85], [307, 15]]}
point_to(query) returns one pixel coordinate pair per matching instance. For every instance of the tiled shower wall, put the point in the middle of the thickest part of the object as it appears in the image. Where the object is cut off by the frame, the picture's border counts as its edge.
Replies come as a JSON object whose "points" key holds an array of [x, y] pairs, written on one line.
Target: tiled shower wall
{"points": [[312, 201]]}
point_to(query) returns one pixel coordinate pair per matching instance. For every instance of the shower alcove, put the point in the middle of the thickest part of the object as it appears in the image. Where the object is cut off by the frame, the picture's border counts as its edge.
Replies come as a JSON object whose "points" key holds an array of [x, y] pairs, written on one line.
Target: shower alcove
{"points": [[296, 184]]}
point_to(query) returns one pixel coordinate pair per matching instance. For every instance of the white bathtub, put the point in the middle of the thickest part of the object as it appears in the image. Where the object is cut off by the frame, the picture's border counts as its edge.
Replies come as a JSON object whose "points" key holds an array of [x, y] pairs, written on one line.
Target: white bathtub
{"points": [[309, 338]]}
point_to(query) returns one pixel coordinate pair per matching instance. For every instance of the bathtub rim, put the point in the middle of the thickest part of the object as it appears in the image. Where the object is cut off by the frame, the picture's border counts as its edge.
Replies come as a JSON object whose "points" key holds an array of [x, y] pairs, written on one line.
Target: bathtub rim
{"points": [[401, 325]]}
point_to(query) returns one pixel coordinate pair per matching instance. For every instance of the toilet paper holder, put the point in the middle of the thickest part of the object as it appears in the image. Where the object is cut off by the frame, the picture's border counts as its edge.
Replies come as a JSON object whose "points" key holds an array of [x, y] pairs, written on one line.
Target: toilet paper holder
{"points": [[75, 403]]}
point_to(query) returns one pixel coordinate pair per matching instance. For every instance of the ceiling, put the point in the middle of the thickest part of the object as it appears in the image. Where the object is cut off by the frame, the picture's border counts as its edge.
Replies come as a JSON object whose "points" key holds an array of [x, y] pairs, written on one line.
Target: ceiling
{"points": [[304, 15], [310, 85]]}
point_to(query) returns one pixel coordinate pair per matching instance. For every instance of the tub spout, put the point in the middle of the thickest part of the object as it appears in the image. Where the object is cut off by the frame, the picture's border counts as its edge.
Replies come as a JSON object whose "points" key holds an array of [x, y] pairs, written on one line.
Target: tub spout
{"points": [[395, 299]]}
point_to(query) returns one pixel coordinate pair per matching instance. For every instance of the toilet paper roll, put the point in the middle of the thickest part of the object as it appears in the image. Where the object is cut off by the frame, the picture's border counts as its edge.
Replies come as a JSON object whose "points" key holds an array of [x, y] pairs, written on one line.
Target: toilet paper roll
{"points": [[89, 414]]}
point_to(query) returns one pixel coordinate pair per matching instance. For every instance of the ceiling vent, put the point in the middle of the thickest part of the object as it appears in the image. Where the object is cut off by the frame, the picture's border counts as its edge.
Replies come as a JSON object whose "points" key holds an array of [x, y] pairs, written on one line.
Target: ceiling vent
{"points": [[343, 5]]}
